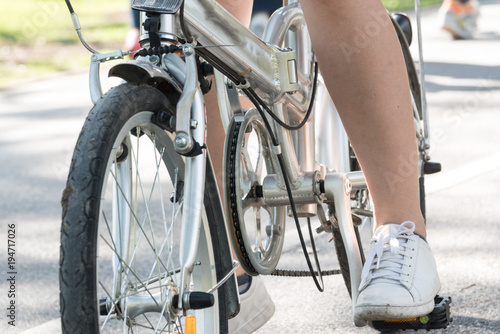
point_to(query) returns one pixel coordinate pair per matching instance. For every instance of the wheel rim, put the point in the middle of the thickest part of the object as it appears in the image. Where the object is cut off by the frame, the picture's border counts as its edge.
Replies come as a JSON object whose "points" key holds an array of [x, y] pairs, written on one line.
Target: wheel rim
{"points": [[137, 253]]}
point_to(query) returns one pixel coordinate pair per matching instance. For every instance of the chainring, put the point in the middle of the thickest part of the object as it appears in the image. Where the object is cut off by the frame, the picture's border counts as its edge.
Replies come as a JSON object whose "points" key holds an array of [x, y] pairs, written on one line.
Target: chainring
{"points": [[257, 229]]}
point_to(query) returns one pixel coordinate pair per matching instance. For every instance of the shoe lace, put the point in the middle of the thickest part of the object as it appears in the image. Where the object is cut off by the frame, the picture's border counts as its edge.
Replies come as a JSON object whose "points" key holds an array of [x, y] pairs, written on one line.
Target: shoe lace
{"points": [[388, 255]]}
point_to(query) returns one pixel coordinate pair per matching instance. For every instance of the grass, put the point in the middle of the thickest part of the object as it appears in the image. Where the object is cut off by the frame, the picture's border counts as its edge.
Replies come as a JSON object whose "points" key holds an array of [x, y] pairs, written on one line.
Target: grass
{"points": [[398, 5], [37, 36], [29, 22]]}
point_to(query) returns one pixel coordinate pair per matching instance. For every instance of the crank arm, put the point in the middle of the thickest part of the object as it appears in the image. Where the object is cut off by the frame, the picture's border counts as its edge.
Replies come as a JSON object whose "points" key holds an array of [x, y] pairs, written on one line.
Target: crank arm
{"points": [[338, 187]]}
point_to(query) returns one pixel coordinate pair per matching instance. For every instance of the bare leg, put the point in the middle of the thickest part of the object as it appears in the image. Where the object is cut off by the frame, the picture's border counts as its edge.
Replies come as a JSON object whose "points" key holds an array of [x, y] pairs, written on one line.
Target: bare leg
{"points": [[363, 66], [240, 9], [360, 56]]}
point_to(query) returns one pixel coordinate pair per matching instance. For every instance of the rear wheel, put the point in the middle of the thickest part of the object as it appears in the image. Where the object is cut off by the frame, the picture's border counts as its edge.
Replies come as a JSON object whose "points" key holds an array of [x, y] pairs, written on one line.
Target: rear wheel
{"points": [[122, 210]]}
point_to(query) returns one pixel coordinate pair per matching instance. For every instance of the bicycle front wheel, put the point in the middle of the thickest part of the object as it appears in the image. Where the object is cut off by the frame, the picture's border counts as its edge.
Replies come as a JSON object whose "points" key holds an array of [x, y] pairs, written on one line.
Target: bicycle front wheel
{"points": [[122, 211]]}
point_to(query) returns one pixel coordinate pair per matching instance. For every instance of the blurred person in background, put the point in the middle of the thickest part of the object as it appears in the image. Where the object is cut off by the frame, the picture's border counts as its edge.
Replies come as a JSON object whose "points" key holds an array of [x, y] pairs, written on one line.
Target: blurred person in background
{"points": [[459, 18], [132, 38]]}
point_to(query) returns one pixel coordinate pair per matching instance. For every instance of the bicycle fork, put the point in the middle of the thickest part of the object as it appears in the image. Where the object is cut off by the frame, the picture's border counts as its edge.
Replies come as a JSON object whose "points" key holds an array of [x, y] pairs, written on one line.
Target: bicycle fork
{"points": [[190, 141], [190, 136]]}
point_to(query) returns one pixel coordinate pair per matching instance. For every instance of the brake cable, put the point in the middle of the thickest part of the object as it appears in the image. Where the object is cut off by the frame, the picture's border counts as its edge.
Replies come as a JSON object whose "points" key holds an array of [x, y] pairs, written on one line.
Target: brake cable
{"points": [[276, 119], [316, 275]]}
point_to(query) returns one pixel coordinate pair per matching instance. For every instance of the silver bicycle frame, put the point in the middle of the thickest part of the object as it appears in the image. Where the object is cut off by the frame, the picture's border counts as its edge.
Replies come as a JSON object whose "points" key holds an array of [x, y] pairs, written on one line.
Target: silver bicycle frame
{"points": [[282, 78]]}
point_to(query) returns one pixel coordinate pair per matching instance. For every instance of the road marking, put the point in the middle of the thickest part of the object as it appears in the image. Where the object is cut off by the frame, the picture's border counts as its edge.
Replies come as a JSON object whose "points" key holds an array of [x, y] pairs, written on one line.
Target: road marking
{"points": [[444, 180]]}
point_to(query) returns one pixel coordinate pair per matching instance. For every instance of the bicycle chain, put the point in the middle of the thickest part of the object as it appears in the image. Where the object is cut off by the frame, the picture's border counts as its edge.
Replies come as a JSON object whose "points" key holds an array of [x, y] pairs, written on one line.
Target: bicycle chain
{"points": [[235, 221], [303, 273], [234, 216]]}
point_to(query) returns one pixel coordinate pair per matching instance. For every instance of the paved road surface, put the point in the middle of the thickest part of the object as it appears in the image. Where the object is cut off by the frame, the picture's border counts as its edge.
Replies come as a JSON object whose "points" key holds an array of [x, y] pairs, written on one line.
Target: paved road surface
{"points": [[40, 121]]}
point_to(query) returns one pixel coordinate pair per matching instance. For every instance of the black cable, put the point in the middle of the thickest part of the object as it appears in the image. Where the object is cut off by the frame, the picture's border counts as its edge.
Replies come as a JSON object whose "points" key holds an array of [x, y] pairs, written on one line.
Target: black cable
{"points": [[187, 35], [71, 11], [321, 287], [292, 204], [309, 109], [313, 245], [263, 116]]}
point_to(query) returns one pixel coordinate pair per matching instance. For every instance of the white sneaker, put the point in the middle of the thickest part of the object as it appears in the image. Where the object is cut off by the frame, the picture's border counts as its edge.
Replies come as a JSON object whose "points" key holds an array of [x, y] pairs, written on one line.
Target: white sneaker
{"points": [[399, 278], [256, 308]]}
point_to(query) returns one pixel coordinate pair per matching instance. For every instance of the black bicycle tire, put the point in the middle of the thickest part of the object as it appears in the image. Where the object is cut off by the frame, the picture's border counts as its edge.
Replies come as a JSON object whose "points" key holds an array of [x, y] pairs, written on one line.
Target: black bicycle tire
{"points": [[413, 77], [81, 206], [342, 256], [415, 90]]}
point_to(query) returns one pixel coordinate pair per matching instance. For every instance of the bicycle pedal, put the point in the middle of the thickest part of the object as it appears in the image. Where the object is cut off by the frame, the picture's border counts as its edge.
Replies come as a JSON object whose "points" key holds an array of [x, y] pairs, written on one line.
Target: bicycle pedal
{"points": [[439, 318]]}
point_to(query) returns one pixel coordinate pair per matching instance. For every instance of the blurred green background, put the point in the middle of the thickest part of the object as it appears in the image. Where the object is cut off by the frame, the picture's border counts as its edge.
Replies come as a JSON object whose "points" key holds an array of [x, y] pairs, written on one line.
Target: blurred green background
{"points": [[37, 36]]}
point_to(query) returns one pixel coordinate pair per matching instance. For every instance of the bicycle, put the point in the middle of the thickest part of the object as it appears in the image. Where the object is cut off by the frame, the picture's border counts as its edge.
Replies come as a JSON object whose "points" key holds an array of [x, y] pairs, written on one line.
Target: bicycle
{"points": [[127, 261]]}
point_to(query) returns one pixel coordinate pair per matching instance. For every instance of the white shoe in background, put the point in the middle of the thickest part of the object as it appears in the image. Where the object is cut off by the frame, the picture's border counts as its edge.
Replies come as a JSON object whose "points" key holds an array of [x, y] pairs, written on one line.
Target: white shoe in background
{"points": [[256, 307]]}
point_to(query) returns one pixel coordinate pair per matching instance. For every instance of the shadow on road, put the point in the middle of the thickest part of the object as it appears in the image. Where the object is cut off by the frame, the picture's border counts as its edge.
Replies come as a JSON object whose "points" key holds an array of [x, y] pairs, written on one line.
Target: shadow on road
{"points": [[484, 74], [474, 323]]}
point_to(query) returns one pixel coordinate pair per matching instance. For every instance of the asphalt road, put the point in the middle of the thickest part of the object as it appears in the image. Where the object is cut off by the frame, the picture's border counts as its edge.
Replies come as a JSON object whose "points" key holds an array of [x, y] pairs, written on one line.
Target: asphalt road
{"points": [[40, 121]]}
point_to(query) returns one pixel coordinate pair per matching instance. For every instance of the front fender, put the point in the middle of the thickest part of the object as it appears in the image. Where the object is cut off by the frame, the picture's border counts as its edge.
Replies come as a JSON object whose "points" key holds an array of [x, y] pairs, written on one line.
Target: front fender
{"points": [[141, 72]]}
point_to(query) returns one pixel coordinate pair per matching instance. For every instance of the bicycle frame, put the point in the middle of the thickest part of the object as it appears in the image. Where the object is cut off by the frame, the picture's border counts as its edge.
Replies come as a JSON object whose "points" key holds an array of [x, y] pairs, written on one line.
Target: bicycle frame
{"points": [[283, 79]]}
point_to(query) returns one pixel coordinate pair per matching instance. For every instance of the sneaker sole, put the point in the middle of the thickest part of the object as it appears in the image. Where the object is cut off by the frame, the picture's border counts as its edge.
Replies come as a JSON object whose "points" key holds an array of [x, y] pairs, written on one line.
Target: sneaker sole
{"points": [[387, 312]]}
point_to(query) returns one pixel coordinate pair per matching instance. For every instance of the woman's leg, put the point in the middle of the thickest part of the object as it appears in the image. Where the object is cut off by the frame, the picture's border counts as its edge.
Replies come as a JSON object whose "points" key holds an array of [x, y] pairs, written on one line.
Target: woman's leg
{"points": [[363, 67]]}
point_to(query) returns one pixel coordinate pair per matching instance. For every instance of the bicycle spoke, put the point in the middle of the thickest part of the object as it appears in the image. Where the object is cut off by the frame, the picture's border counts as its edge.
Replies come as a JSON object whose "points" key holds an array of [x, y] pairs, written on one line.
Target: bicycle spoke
{"points": [[130, 270], [167, 229], [258, 232], [167, 242], [139, 182], [156, 182], [110, 312], [141, 226]]}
